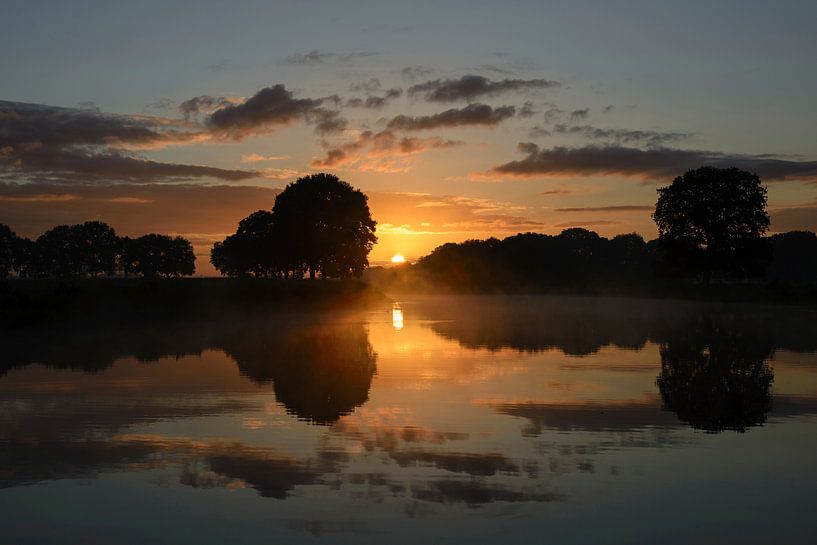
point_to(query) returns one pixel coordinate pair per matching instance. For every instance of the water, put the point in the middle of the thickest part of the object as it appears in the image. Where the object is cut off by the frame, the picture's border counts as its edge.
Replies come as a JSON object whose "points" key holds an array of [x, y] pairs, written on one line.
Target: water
{"points": [[438, 420]]}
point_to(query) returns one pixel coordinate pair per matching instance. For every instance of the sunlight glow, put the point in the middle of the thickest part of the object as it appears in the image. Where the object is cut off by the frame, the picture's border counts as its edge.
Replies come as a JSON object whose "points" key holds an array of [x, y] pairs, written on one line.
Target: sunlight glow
{"points": [[398, 258], [397, 317]]}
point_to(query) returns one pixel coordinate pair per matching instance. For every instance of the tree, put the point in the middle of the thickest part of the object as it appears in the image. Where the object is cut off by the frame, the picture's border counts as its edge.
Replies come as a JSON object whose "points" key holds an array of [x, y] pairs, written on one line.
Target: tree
{"points": [[7, 246], [711, 220], [99, 246], [59, 252], [161, 255], [324, 226], [251, 251], [795, 257]]}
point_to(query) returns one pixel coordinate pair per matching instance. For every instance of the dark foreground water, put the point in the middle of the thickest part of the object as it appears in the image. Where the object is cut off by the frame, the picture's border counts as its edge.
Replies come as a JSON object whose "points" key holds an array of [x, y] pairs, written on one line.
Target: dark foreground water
{"points": [[448, 420]]}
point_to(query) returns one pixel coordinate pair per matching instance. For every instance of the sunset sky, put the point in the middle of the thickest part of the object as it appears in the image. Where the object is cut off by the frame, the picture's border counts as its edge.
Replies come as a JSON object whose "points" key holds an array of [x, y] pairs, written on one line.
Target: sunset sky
{"points": [[458, 119]]}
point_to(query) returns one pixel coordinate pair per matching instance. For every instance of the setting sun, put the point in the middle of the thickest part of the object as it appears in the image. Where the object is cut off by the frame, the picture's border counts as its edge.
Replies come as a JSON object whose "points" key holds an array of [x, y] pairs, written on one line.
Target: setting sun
{"points": [[398, 258]]}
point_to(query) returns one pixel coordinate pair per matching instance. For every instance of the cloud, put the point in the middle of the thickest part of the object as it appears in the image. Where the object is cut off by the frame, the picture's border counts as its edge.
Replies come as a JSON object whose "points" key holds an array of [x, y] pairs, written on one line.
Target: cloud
{"points": [[269, 108], [312, 57], [257, 157], [316, 57], [413, 73], [381, 144], [72, 144], [527, 110], [587, 223], [793, 218], [553, 114], [473, 114], [538, 131], [620, 136], [649, 164], [470, 87], [375, 101], [204, 104], [579, 115], [620, 208]]}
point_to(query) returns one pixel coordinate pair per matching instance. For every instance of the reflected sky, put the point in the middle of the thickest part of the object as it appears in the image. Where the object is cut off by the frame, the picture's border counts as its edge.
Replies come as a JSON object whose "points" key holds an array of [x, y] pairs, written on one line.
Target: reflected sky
{"points": [[463, 418]]}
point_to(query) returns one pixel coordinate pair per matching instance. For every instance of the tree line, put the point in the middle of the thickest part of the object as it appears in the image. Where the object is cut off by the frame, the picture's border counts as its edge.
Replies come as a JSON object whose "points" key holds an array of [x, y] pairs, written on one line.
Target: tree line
{"points": [[578, 258], [93, 249], [711, 226]]}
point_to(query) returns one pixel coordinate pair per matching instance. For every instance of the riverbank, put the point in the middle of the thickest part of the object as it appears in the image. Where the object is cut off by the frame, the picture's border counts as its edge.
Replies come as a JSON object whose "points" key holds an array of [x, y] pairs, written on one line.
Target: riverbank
{"points": [[119, 300]]}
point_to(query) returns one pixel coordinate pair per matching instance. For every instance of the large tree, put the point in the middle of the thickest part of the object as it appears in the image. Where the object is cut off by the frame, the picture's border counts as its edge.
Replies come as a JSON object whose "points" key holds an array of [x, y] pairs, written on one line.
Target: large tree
{"points": [[710, 220], [324, 226]]}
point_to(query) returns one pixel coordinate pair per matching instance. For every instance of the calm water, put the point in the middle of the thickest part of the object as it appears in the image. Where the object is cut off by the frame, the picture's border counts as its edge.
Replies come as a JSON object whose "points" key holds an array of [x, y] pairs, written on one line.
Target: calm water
{"points": [[471, 419]]}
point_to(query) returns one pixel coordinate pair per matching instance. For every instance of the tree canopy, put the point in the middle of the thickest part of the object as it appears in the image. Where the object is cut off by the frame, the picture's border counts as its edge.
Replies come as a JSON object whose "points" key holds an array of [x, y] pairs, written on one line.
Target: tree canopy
{"points": [[92, 249], [319, 225], [710, 220]]}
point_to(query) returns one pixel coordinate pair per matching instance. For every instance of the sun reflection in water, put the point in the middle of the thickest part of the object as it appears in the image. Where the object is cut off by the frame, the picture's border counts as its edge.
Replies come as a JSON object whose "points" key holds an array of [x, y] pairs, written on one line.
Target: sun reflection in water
{"points": [[397, 317]]}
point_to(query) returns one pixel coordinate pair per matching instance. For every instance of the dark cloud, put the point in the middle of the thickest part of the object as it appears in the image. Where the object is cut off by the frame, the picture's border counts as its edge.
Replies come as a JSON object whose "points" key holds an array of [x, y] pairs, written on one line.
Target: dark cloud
{"points": [[78, 165], [471, 87], [413, 73], [553, 114], [320, 57], [203, 104], [312, 57], [70, 145], [579, 115], [493, 68], [375, 101], [268, 108], [621, 136], [655, 163], [538, 131], [608, 109], [218, 66], [473, 114], [370, 85], [621, 208], [527, 110]]}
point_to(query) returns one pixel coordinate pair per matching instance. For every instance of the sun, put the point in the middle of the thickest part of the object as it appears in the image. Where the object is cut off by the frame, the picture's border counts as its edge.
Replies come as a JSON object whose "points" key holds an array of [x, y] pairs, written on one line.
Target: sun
{"points": [[398, 258]]}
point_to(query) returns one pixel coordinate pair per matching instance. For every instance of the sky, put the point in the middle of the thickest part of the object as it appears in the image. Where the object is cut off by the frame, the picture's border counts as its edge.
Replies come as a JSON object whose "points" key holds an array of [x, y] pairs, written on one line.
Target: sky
{"points": [[458, 119]]}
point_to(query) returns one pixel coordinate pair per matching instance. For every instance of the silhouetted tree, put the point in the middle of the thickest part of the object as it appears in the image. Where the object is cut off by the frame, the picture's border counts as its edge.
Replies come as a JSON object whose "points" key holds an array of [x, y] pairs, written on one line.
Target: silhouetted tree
{"points": [[794, 257], [99, 247], [58, 252], [251, 251], [161, 255], [75, 251], [710, 220], [128, 258], [324, 226], [7, 247]]}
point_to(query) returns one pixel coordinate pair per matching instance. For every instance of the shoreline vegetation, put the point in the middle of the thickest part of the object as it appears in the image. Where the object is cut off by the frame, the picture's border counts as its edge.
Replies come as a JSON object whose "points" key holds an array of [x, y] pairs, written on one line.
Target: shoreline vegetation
{"points": [[711, 246]]}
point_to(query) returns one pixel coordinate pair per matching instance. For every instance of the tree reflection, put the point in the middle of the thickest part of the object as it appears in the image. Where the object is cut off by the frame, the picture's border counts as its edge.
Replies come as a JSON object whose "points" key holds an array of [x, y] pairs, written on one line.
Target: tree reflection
{"points": [[715, 373], [319, 372]]}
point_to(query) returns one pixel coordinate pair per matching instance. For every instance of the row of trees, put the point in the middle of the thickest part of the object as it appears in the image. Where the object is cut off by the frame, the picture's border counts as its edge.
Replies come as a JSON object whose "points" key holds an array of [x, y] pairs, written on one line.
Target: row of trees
{"points": [[580, 258], [92, 249], [319, 225]]}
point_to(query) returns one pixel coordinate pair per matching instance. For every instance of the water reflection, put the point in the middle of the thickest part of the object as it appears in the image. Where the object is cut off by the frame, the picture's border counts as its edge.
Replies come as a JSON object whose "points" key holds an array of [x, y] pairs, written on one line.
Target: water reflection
{"points": [[319, 372], [715, 372], [397, 317], [476, 411]]}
